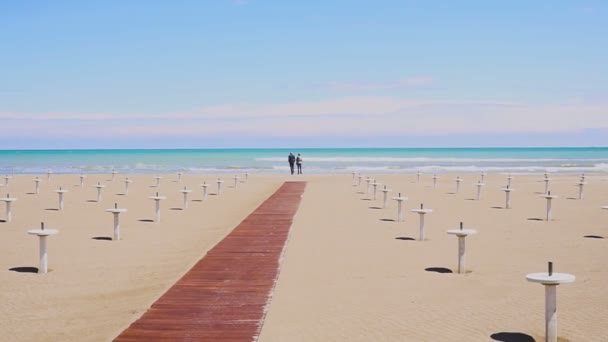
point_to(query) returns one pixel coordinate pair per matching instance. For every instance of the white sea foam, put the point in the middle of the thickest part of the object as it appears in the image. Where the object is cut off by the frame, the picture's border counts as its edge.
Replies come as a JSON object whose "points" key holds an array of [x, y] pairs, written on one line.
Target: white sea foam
{"points": [[144, 166], [367, 168], [420, 160], [312, 164], [598, 168]]}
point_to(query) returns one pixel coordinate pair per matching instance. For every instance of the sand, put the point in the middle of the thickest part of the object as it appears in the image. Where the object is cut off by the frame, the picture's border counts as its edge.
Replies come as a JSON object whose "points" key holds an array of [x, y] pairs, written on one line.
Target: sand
{"points": [[96, 288], [345, 276]]}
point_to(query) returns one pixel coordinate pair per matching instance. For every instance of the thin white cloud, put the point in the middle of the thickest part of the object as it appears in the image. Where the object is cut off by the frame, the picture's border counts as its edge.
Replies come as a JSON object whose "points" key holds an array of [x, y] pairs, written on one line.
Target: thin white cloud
{"points": [[70, 116], [340, 106], [353, 116], [420, 121], [347, 106], [418, 81]]}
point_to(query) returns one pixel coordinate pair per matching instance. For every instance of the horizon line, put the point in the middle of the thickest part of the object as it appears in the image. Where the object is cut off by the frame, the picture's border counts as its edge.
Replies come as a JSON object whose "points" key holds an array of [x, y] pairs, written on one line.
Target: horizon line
{"points": [[288, 148]]}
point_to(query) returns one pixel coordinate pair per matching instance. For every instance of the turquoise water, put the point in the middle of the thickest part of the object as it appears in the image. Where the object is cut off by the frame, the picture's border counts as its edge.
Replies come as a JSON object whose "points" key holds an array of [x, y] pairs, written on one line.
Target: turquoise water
{"points": [[326, 160]]}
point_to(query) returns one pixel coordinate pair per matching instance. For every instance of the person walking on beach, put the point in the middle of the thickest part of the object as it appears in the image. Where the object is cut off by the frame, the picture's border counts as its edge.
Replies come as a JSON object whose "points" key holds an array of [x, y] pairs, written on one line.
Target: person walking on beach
{"points": [[292, 160], [299, 163]]}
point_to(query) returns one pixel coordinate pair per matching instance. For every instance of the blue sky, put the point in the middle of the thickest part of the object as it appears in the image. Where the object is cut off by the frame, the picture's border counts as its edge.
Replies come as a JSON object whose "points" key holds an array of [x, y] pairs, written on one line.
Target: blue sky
{"points": [[254, 73]]}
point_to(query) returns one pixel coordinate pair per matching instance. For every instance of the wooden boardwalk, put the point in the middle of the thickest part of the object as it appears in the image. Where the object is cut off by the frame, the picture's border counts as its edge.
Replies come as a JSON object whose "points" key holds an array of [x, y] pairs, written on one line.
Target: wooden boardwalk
{"points": [[224, 296]]}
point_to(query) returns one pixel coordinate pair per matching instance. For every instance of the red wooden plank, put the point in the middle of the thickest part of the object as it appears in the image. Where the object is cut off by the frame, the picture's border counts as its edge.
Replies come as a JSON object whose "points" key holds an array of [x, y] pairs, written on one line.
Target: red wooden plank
{"points": [[223, 297]]}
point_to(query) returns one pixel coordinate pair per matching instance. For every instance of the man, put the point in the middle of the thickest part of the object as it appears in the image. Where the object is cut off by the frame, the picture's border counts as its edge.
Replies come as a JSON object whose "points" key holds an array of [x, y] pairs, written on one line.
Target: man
{"points": [[292, 160]]}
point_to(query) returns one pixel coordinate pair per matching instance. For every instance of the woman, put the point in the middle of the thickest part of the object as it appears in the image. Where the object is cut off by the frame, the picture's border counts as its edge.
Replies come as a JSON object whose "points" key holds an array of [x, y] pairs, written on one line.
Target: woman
{"points": [[299, 163]]}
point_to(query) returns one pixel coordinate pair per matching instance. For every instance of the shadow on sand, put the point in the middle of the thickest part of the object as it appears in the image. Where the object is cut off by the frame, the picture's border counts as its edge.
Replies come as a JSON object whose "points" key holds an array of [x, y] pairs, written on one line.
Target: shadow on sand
{"points": [[438, 270], [405, 238], [24, 269], [102, 238], [512, 337]]}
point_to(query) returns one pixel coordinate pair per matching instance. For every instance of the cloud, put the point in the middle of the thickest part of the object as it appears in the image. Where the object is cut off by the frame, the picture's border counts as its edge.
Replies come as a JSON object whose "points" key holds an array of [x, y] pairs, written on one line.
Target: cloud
{"points": [[69, 116], [454, 119], [341, 106], [418, 81], [346, 106], [362, 117]]}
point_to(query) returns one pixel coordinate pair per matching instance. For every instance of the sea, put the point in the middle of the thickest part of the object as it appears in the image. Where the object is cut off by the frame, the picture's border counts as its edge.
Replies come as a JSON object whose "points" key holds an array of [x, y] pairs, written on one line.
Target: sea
{"points": [[316, 160]]}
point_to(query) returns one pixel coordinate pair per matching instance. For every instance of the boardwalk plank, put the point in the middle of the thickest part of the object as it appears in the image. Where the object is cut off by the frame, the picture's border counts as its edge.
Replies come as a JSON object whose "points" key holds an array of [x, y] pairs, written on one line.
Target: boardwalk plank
{"points": [[223, 297]]}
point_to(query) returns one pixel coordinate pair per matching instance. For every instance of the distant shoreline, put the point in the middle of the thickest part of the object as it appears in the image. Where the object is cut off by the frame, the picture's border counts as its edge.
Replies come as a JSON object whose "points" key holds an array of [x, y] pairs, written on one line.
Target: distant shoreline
{"points": [[316, 160]]}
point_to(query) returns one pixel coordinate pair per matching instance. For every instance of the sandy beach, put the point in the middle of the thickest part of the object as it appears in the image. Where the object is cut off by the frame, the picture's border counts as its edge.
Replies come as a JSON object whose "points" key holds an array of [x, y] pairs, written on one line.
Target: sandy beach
{"points": [[383, 89], [96, 288], [347, 278], [350, 272]]}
